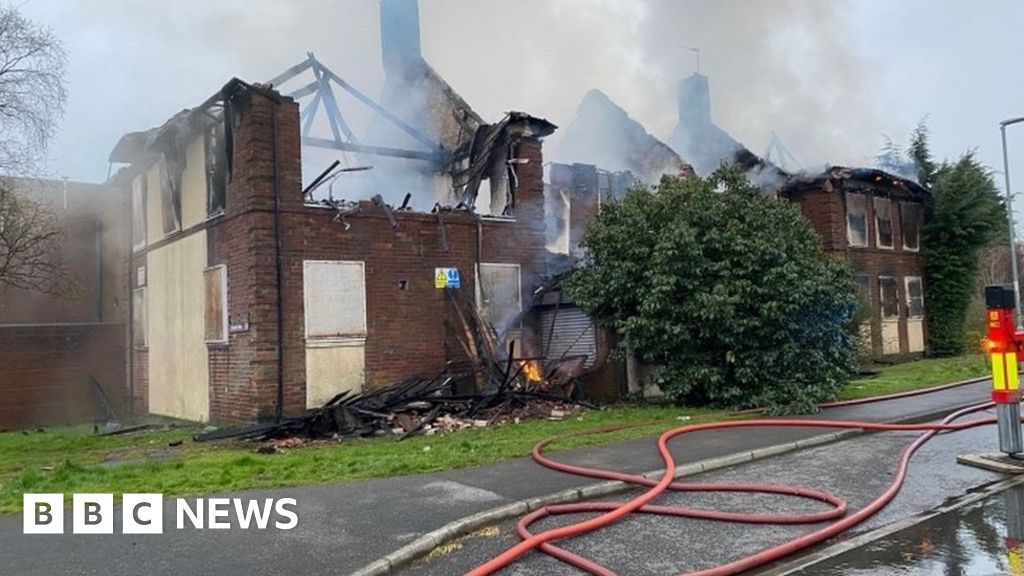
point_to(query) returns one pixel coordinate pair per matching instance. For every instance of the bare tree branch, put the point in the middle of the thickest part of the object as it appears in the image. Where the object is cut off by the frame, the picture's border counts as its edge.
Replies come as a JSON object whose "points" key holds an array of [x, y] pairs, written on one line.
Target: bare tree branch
{"points": [[32, 98], [31, 240], [32, 90]]}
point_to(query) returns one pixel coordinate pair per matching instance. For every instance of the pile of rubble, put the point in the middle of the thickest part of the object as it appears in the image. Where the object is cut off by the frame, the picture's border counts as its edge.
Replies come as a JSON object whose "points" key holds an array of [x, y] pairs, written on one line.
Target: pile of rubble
{"points": [[413, 406], [482, 390]]}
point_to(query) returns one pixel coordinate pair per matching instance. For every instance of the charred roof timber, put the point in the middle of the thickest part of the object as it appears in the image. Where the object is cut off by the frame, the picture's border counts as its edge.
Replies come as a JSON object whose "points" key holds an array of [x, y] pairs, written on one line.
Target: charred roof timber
{"points": [[146, 146], [476, 154], [320, 88], [864, 180]]}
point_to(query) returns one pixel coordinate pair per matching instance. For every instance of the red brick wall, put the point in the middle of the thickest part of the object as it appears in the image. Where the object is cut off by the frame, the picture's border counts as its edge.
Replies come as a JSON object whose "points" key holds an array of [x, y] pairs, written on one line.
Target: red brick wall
{"points": [[243, 374], [827, 215], [406, 328], [139, 386], [826, 210], [47, 369]]}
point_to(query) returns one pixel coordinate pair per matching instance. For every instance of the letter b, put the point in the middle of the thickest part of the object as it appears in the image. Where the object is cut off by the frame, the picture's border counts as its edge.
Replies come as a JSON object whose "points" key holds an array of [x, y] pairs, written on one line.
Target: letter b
{"points": [[43, 514], [92, 514]]}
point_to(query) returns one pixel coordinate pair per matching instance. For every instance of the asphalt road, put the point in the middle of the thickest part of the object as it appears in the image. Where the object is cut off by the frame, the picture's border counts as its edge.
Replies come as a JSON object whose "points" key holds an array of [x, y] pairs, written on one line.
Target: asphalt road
{"points": [[344, 527], [857, 470]]}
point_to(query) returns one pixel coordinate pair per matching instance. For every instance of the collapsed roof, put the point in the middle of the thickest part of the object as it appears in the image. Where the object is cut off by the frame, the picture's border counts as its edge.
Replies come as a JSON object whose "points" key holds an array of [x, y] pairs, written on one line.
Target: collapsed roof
{"points": [[870, 181], [603, 134]]}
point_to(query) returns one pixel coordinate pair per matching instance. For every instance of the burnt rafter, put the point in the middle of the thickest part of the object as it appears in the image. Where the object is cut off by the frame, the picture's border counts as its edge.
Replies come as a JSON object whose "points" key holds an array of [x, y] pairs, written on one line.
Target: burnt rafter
{"points": [[321, 89]]}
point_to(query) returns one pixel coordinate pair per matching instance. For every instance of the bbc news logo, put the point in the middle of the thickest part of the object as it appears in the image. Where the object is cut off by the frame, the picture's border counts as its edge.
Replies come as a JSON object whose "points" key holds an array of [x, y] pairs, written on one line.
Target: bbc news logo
{"points": [[144, 514]]}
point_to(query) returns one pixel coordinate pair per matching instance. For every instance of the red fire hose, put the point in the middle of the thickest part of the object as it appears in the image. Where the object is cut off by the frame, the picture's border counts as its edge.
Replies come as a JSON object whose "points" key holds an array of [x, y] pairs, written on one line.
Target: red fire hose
{"points": [[615, 511]]}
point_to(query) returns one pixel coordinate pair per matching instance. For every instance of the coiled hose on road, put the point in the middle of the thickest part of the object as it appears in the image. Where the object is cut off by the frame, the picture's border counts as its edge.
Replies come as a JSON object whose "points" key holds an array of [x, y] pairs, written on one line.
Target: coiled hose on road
{"points": [[614, 511]]}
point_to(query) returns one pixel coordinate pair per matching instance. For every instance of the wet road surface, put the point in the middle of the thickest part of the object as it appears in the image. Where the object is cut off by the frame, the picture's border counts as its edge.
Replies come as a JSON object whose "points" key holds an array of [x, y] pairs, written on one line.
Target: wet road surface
{"points": [[857, 470], [982, 539]]}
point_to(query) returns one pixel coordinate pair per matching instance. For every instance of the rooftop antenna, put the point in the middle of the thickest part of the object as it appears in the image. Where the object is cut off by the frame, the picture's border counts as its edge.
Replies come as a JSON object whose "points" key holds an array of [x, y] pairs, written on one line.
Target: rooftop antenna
{"points": [[697, 52], [778, 154]]}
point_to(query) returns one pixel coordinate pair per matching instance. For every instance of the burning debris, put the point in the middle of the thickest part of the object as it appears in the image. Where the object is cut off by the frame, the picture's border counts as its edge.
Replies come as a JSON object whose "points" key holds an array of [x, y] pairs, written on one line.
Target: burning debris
{"points": [[417, 406], [481, 390]]}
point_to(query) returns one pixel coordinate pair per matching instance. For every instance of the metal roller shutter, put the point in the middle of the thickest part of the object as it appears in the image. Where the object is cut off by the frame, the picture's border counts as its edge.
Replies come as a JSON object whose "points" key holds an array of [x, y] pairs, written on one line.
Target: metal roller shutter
{"points": [[573, 334]]}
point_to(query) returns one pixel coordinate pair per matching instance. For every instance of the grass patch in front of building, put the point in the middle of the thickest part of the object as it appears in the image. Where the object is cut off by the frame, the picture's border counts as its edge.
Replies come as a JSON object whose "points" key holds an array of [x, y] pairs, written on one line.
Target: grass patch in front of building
{"points": [[917, 375], [69, 460]]}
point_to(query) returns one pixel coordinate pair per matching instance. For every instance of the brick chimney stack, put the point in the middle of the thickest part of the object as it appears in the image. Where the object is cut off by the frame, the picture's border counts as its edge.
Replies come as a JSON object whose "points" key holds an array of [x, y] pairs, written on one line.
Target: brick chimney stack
{"points": [[695, 101], [400, 38]]}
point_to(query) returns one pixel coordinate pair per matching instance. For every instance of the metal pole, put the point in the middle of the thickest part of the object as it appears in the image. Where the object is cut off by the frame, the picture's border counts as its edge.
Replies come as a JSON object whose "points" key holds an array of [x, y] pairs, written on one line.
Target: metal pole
{"points": [[1009, 216], [1011, 442]]}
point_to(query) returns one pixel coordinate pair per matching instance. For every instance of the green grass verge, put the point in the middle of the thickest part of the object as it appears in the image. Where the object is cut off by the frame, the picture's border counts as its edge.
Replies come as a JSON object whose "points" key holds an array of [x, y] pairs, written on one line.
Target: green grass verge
{"points": [[68, 460], [73, 459], [917, 375]]}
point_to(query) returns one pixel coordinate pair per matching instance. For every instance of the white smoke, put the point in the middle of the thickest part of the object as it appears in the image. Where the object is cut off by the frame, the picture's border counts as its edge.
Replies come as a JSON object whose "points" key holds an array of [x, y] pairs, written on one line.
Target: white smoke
{"points": [[780, 65]]}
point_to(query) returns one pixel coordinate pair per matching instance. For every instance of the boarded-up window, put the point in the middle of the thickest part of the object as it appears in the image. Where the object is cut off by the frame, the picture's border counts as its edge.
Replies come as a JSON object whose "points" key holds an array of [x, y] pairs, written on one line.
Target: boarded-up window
{"points": [[911, 216], [856, 219], [170, 194], [335, 299], [889, 297], [498, 294], [139, 321], [216, 170], [883, 222], [915, 297], [215, 282], [139, 212]]}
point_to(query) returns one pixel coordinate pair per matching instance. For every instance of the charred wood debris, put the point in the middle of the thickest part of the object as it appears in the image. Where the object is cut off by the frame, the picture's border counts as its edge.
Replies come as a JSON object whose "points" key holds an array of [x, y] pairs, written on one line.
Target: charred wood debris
{"points": [[487, 388]]}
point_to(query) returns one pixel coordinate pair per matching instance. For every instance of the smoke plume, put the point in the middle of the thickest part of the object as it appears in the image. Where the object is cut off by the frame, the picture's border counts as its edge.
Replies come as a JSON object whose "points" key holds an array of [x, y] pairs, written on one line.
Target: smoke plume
{"points": [[781, 65]]}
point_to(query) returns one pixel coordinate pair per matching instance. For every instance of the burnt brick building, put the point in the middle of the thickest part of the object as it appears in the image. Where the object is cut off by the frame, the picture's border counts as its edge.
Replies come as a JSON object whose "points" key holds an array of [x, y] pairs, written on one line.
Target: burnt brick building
{"points": [[249, 298], [873, 219]]}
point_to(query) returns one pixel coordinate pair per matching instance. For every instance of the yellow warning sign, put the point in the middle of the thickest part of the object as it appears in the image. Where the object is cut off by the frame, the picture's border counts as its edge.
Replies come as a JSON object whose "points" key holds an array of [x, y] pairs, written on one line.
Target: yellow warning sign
{"points": [[440, 278]]}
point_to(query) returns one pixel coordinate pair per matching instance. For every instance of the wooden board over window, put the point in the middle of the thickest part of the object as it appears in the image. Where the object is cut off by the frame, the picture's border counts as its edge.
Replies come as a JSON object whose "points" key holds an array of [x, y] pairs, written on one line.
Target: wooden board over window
{"points": [[216, 307], [335, 299]]}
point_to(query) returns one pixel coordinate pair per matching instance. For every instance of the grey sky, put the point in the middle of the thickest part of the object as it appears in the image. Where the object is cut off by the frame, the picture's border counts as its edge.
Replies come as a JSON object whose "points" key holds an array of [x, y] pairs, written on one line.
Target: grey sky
{"points": [[830, 77]]}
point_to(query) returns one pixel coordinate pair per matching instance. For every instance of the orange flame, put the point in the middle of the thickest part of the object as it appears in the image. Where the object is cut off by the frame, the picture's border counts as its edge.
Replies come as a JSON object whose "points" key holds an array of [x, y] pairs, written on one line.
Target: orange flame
{"points": [[532, 371]]}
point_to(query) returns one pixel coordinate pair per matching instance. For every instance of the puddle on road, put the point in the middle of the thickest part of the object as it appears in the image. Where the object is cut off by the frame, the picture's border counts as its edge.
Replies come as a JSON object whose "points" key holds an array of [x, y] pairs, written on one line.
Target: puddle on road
{"points": [[983, 539]]}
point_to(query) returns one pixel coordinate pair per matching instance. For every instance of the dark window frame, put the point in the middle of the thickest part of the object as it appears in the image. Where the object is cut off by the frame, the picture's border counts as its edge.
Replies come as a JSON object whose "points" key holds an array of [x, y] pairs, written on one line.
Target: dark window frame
{"points": [[170, 196], [140, 215], [917, 210], [851, 200], [215, 152], [911, 298], [885, 306], [883, 226]]}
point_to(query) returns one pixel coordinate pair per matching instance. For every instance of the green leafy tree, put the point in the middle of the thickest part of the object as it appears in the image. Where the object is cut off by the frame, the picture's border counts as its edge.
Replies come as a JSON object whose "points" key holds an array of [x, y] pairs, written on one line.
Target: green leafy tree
{"points": [[723, 287], [967, 216], [920, 153]]}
